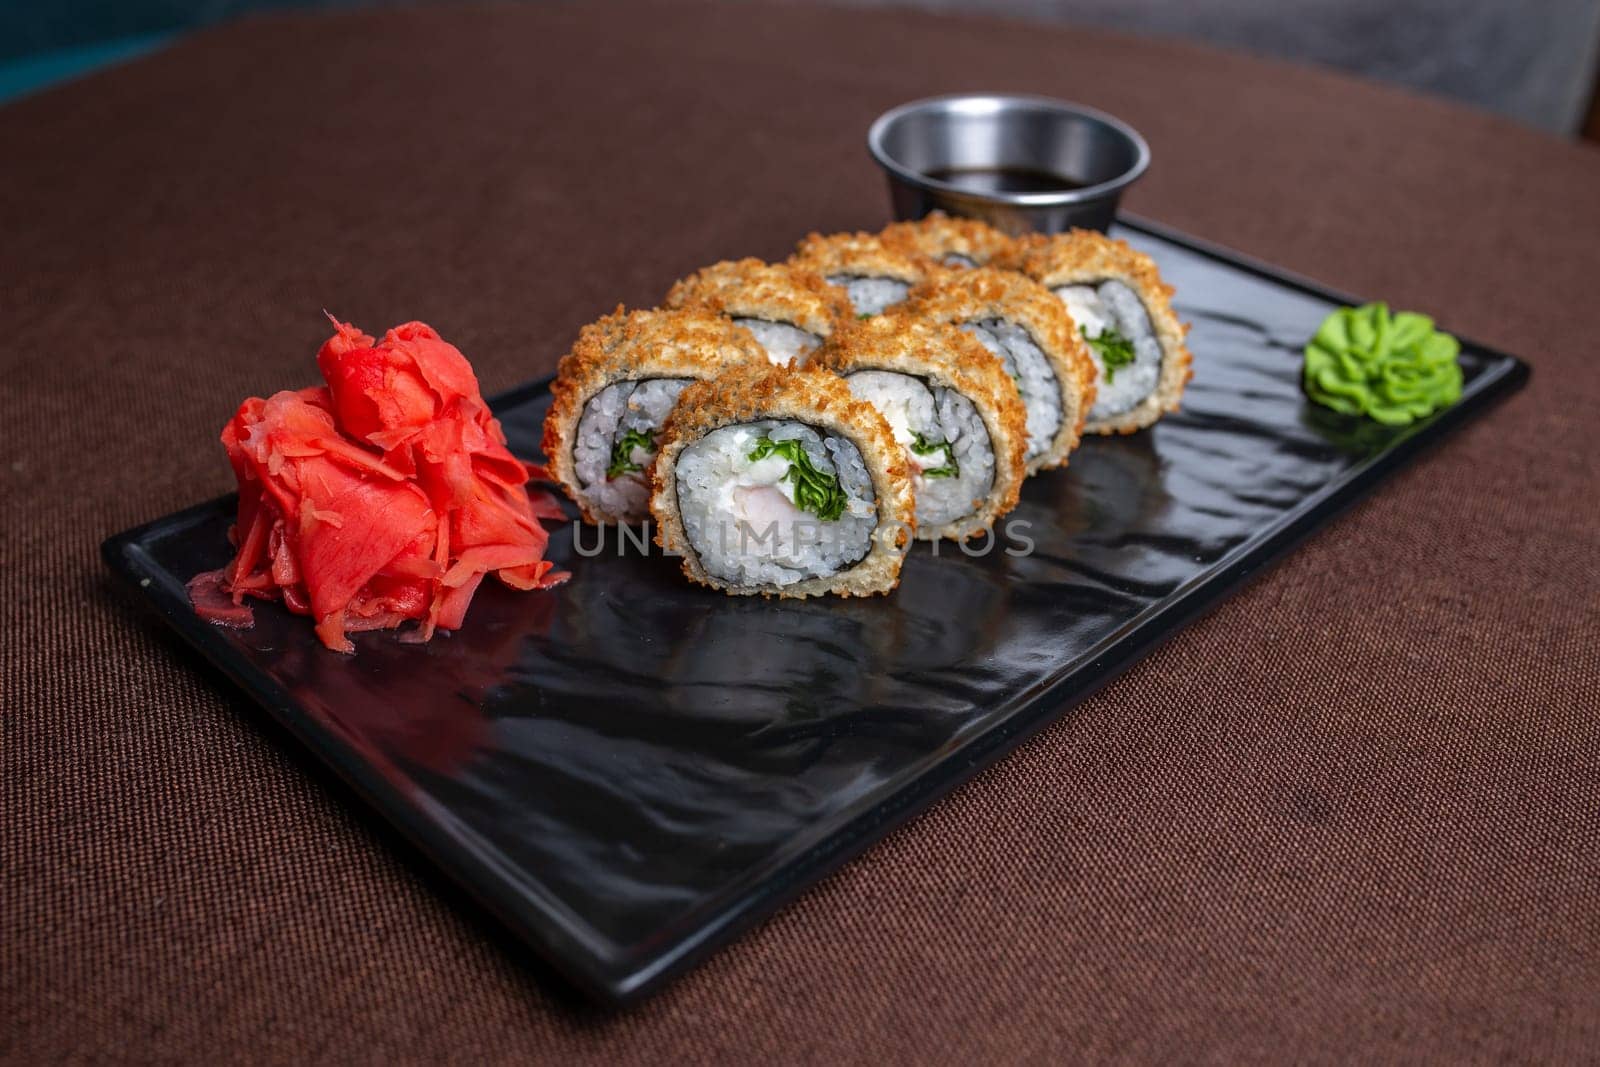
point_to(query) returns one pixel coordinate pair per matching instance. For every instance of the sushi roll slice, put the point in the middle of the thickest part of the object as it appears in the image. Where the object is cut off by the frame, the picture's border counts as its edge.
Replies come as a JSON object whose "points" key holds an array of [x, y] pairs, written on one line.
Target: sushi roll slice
{"points": [[1029, 330], [791, 311], [1123, 309], [782, 483], [952, 409], [874, 275], [949, 241], [613, 391]]}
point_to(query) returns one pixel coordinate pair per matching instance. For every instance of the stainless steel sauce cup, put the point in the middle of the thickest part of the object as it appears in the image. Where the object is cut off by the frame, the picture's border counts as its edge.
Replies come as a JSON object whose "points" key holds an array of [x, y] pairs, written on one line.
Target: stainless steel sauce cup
{"points": [[955, 153]]}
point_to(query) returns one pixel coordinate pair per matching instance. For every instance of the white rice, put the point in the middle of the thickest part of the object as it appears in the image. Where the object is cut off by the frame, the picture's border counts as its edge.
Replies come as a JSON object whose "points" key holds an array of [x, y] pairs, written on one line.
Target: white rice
{"points": [[911, 406], [1030, 368], [1114, 305], [871, 296], [609, 414], [740, 516], [786, 343]]}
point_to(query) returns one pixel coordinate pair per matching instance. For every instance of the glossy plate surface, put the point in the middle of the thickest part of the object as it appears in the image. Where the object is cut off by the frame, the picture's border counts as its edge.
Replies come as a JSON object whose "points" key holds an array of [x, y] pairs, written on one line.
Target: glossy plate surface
{"points": [[629, 769]]}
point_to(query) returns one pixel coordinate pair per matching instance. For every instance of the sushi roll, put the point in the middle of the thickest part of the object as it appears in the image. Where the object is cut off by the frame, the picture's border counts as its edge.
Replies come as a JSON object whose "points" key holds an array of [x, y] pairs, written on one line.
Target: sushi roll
{"points": [[1123, 309], [781, 483], [873, 274], [789, 310], [952, 409], [613, 391], [1029, 330], [949, 241]]}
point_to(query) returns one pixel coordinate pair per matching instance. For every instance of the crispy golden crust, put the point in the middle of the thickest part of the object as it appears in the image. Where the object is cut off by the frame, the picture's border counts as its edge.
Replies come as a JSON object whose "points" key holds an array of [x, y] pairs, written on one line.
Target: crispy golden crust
{"points": [[749, 288], [862, 255], [940, 237], [945, 356], [688, 343], [819, 399], [1082, 257], [966, 296]]}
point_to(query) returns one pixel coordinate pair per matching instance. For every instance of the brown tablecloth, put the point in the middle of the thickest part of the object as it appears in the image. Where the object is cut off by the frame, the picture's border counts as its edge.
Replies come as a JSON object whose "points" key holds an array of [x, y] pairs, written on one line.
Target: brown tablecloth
{"points": [[1354, 812]]}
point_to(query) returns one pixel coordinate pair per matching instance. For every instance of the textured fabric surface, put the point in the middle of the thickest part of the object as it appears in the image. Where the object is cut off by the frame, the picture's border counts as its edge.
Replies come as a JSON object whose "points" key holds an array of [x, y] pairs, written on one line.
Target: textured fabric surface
{"points": [[1355, 812]]}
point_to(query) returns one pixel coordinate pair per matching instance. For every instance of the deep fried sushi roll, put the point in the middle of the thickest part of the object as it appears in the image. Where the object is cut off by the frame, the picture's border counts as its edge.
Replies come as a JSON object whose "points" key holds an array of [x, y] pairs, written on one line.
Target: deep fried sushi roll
{"points": [[947, 240], [873, 274], [1029, 330], [782, 483], [1123, 309], [791, 311], [612, 393], [952, 409]]}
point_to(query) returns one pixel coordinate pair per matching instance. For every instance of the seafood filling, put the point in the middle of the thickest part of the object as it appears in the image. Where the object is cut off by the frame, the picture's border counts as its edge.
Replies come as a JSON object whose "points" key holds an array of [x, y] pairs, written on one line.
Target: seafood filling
{"points": [[946, 443], [774, 502], [616, 443], [1122, 344]]}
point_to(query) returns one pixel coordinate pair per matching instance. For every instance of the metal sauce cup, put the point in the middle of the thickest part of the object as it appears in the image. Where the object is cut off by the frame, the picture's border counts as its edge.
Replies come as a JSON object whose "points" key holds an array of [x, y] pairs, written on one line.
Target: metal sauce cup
{"points": [[993, 157]]}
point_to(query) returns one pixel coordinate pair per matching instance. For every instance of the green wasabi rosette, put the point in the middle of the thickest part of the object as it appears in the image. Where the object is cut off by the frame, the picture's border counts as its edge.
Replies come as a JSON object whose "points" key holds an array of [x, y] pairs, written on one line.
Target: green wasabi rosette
{"points": [[1393, 369]]}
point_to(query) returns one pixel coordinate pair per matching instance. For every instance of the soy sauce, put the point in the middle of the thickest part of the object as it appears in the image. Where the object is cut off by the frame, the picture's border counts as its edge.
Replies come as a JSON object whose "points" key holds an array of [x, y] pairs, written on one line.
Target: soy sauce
{"points": [[1004, 179]]}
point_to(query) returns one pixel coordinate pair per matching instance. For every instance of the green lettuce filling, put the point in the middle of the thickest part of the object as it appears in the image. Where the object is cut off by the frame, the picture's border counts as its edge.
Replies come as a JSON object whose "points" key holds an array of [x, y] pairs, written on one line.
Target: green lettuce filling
{"points": [[622, 453], [1392, 368], [924, 447], [814, 490], [1113, 349]]}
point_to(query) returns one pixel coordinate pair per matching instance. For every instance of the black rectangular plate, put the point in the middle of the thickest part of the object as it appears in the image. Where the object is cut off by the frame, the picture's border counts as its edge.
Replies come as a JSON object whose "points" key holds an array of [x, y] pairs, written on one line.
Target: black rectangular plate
{"points": [[628, 770]]}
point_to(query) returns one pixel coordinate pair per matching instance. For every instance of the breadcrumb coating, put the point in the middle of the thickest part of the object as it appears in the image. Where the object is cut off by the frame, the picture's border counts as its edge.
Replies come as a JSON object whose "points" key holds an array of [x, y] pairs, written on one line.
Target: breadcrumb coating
{"points": [[1086, 257], [945, 356], [775, 292], [676, 343], [986, 292], [862, 255], [939, 236], [819, 399]]}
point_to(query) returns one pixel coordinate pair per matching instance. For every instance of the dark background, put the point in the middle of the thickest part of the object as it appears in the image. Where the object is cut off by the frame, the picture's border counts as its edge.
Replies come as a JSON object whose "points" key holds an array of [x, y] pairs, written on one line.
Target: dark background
{"points": [[1532, 61]]}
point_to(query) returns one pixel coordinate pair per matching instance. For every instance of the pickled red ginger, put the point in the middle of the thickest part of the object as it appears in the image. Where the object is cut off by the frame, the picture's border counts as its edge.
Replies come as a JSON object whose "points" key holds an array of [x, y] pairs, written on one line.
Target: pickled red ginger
{"points": [[382, 498]]}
